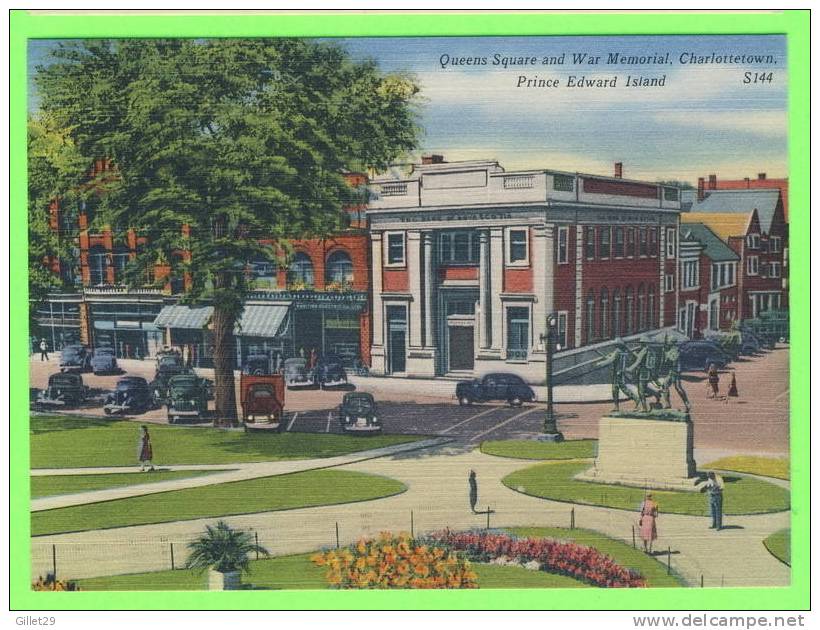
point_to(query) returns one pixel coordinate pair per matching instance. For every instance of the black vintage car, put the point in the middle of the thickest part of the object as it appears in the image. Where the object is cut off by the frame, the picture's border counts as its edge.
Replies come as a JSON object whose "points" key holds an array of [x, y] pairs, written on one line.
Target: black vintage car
{"points": [[330, 372], [357, 414], [75, 359], [131, 395], [496, 386], [699, 355], [104, 361], [187, 397], [168, 364], [257, 365], [64, 390]]}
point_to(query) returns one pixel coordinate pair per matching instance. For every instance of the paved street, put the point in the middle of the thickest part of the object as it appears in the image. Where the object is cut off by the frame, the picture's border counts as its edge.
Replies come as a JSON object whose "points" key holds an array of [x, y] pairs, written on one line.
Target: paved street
{"points": [[757, 422]]}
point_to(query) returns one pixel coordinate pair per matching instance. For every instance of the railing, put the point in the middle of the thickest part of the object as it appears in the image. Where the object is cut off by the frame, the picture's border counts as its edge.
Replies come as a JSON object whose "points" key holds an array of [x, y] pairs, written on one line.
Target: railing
{"points": [[393, 190], [517, 354], [119, 290], [517, 182]]}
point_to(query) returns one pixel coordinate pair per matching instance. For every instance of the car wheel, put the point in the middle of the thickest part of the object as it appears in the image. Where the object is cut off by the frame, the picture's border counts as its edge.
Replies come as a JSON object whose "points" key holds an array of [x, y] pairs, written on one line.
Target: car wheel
{"points": [[107, 411], [464, 400], [516, 401], [257, 372]]}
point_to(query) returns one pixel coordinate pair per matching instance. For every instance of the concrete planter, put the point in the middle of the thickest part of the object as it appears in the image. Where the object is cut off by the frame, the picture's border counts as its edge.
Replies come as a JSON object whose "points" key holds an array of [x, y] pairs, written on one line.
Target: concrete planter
{"points": [[218, 581]]}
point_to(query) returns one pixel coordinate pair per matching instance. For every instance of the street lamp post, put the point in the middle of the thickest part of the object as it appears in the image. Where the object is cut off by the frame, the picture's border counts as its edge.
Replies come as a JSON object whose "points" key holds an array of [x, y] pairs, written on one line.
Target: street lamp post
{"points": [[551, 432]]}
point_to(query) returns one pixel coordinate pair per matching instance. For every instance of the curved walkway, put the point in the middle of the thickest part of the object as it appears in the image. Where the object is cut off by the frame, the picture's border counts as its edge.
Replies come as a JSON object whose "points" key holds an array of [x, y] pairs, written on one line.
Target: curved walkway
{"points": [[437, 497]]}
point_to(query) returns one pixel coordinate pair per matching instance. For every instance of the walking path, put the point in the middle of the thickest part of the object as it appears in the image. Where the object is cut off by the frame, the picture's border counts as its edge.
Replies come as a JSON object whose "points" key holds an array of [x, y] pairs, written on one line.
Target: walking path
{"points": [[437, 497], [230, 472]]}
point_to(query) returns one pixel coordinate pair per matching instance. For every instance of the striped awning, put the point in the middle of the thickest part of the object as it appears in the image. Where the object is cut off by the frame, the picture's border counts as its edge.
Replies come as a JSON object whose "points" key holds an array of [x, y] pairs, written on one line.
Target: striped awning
{"points": [[184, 316], [261, 320]]}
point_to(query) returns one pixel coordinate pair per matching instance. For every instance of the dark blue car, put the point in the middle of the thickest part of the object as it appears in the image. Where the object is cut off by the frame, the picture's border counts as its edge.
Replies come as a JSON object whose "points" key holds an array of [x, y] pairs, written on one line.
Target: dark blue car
{"points": [[104, 361], [497, 386], [131, 395], [75, 359], [699, 355]]}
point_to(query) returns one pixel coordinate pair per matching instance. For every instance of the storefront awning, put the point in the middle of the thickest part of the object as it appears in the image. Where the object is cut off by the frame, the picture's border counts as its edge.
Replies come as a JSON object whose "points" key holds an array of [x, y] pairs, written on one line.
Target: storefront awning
{"points": [[184, 316], [261, 320]]}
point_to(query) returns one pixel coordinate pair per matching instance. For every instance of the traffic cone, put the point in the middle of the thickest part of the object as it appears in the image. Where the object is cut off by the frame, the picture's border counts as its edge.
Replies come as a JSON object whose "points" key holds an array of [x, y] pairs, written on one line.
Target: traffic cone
{"points": [[733, 388]]}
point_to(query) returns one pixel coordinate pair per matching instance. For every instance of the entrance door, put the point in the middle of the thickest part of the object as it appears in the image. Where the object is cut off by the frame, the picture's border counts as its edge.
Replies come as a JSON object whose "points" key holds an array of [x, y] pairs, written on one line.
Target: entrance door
{"points": [[691, 311], [396, 339], [461, 348]]}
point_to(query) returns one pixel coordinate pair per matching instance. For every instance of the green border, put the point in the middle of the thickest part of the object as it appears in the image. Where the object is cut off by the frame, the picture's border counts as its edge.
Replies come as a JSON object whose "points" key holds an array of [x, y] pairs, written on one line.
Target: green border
{"points": [[795, 24]]}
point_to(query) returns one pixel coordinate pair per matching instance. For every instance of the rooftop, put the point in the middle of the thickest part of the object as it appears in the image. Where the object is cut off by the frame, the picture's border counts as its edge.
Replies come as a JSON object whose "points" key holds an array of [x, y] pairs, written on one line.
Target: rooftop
{"points": [[724, 224], [764, 200], [715, 248]]}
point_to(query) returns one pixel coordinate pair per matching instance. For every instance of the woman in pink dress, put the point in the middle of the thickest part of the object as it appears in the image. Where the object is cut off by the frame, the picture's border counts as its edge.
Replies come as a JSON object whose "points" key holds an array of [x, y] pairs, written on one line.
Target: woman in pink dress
{"points": [[649, 513]]}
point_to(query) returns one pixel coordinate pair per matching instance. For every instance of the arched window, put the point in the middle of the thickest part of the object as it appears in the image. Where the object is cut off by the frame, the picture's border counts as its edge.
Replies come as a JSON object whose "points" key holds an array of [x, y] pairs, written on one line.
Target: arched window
{"points": [[98, 265], [300, 272], [339, 268], [616, 313], [653, 316], [641, 307], [604, 314], [629, 311], [590, 316]]}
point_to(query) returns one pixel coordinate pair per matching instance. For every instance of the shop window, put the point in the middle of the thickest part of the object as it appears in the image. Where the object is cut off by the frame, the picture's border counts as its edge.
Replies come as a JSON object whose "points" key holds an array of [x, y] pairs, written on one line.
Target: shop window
{"points": [[339, 269], [518, 332], [619, 243], [98, 265], [300, 272], [563, 245], [604, 235], [517, 247], [395, 249]]}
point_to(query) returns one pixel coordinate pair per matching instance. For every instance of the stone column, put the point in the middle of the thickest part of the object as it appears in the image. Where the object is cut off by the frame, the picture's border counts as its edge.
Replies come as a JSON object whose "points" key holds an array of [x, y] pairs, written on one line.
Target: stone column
{"points": [[429, 281], [542, 281], [496, 287], [414, 324], [483, 324], [377, 311]]}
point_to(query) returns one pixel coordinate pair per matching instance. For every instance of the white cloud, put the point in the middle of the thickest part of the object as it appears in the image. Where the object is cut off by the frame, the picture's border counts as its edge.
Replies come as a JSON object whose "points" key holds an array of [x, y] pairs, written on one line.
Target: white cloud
{"points": [[760, 122]]}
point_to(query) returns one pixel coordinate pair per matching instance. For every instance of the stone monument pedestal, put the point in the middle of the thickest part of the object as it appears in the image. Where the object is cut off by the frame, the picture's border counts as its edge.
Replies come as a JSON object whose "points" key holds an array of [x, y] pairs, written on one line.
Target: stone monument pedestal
{"points": [[644, 453]]}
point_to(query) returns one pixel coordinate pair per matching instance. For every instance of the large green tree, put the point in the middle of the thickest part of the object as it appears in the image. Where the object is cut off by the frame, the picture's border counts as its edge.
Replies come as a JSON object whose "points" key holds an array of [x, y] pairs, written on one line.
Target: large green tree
{"points": [[237, 139]]}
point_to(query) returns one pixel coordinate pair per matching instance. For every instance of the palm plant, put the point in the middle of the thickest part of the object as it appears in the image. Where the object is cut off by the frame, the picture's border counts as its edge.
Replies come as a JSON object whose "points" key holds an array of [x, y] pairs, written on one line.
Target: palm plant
{"points": [[223, 549]]}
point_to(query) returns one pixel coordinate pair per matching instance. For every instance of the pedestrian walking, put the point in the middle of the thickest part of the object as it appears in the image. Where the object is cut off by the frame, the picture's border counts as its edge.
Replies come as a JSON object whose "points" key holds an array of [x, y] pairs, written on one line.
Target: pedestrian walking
{"points": [[713, 382], [714, 491], [648, 527], [473, 490], [314, 358], [145, 452], [43, 350]]}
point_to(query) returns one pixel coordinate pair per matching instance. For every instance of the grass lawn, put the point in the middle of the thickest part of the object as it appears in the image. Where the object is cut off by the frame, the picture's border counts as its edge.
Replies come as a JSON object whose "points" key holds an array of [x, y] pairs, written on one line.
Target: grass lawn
{"points": [[652, 569], [779, 545], [49, 485], [765, 466], [283, 492], [742, 495], [67, 442], [533, 449]]}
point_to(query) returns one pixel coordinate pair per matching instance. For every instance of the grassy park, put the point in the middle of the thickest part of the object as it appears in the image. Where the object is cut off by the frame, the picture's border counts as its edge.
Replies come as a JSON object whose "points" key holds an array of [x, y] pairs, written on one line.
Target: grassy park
{"points": [[777, 467], [779, 545], [70, 442], [555, 481], [266, 494], [533, 449], [51, 485]]}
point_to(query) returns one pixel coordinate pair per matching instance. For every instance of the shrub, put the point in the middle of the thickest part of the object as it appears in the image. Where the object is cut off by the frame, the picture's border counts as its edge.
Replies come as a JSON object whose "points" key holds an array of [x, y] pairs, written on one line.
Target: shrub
{"points": [[49, 583], [223, 549], [395, 562], [581, 562]]}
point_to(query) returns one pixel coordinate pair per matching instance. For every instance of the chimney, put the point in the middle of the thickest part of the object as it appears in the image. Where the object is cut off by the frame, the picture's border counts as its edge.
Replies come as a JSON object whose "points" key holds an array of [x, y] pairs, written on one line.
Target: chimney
{"points": [[761, 175], [701, 186], [746, 179], [432, 159], [619, 170], [712, 182]]}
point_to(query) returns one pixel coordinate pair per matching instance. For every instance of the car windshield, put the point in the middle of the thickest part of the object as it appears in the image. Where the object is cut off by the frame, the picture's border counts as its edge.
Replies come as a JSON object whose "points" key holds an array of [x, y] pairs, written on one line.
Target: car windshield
{"points": [[184, 383], [104, 352], [72, 353], [170, 361], [130, 384], [360, 404], [64, 380]]}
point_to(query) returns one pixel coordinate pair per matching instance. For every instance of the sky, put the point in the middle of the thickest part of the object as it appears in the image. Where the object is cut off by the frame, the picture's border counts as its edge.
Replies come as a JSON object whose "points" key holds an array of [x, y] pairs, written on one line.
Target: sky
{"points": [[705, 120]]}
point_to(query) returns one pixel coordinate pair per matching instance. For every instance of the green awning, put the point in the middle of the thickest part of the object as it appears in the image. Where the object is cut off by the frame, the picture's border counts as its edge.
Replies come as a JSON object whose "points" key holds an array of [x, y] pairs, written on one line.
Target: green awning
{"points": [[261, 320], [184, 316]]}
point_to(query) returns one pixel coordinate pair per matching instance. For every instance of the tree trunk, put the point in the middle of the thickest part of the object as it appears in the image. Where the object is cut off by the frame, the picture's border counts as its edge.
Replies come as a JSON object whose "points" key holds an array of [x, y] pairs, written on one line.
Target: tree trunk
{"points": [[224, 359]]}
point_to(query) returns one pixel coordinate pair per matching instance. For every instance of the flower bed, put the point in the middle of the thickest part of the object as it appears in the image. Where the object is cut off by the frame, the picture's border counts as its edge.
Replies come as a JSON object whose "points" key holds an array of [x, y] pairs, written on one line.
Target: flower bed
{"points": [[395, 562], [583, 563]]}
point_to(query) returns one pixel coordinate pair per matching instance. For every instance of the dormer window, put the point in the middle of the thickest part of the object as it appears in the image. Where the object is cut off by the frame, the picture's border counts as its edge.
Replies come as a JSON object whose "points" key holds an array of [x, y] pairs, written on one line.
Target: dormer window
{"points": [[753, 241]]}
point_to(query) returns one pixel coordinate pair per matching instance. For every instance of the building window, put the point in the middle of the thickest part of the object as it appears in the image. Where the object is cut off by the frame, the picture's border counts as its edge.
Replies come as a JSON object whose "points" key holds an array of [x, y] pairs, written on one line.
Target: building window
{"points": [[671, 241], [774, 270], [604, 235], [518, 332], [669, 283], [616, 313], [690, 274], [339, 268], [714, 324], [641, 307], [753, 241], [459, 248], [670, 194], [460, 307], [395, 249], [590, 317], [642, 242], [564, 183], [630, 242], [629, 307], [619, 243], [120, 258], [563, 245], [604, 315], [98, 265], [653, 242], [732, 273], [752, 265], [300, 272], [589, 243], [517, 247], [652, 322], [561, 331], [775, 244]]}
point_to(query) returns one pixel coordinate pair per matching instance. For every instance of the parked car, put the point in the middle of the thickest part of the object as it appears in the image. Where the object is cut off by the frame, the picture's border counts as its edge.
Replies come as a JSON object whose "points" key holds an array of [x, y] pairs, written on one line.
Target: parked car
{"points": [[131, 395], [64, 389], [263, 397], [330, 372], [297, 374], [699, 355], [257, 364], [169, 364], [104, 361], [187, 397], [357, 413], [496, 386], [75, 359]]}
